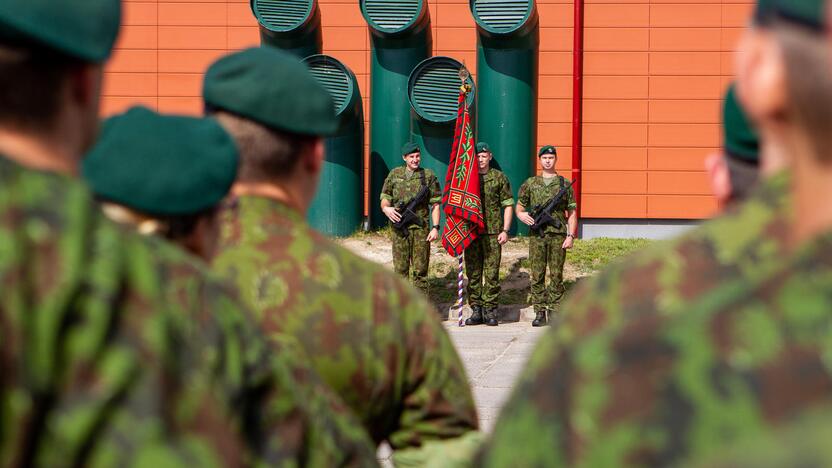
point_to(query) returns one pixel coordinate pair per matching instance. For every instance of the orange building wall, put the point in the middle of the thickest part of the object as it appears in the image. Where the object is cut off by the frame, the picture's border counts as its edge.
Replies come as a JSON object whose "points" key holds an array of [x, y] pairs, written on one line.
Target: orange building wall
{"points": [[654, 75]]}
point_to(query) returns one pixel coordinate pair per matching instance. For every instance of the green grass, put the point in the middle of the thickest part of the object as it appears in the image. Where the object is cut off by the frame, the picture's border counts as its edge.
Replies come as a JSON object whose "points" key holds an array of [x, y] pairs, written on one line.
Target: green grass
{"points": [[588, 256], [592, 255]]}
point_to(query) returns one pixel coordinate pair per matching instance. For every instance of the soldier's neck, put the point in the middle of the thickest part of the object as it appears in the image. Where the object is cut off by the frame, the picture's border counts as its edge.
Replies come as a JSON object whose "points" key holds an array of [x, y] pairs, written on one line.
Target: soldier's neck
{"points": [[282, 194], [40, 152], [549, 174]]}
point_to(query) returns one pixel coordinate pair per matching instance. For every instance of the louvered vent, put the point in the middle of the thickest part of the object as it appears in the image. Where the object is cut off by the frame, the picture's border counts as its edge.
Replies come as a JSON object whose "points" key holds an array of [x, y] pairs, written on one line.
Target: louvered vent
{"points": [[502, 15], [332, 75], [392, 15], [434, 89], [282, 15]]}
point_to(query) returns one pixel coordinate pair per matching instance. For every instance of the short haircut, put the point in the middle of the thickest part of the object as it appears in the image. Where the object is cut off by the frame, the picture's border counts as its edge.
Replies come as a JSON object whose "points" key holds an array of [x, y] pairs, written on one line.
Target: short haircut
{"points": [[809, 83], [32, 79], [265, 154]]}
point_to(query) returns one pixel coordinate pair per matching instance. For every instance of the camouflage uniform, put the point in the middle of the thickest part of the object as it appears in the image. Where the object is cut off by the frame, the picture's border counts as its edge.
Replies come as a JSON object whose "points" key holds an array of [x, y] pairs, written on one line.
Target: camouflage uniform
{"points": [[369, 334], [680, 350], [482, 257], [411, 254], [802, 443], [547, 250], [116, 350]]}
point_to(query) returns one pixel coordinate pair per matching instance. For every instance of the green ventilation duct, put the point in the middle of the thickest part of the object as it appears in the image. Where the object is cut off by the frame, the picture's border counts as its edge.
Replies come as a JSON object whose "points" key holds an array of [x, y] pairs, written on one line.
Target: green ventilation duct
{"points": [[400, 35], [290, 25], [338, 207], [433, 91], [507, 64]]}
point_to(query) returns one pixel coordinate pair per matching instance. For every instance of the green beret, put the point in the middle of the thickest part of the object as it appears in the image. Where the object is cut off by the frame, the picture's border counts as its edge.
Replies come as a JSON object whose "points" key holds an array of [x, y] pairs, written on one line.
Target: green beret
{"points": [[548, 149], [810, 13], [410, 147], [739, 136], [83, 29], [271, 88], [483, 147], [161, 165]]}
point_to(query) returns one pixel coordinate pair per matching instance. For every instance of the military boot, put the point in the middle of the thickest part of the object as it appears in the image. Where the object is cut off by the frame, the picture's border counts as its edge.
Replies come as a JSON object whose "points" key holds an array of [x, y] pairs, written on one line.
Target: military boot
{"points": [[539, 318], [491, 317], [476, 316]]}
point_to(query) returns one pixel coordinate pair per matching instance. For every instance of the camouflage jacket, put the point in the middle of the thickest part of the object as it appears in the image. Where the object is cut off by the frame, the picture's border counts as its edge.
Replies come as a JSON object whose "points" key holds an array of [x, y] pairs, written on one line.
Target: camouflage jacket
{"points": [[536, 192], [370, 335], [672, 354], [117, 350], [401, 185], [496, 196]]}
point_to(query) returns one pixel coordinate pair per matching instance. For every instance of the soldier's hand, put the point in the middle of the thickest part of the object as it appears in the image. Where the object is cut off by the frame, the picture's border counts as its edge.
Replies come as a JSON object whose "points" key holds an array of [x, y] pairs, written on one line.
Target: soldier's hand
{"points": [[502, 238], [392, 214], [433, 234], [567, 244], [526, 218]]}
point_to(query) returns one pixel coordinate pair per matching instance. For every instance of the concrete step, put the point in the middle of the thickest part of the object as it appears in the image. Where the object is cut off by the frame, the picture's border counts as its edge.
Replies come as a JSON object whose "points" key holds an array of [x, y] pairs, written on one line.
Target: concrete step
{"points": [[512, 313]]}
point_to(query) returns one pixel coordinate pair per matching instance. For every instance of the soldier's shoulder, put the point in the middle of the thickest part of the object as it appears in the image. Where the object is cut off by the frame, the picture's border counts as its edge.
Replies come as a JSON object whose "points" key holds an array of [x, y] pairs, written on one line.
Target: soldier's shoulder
{"points": [[396, 172], [430, 175]]}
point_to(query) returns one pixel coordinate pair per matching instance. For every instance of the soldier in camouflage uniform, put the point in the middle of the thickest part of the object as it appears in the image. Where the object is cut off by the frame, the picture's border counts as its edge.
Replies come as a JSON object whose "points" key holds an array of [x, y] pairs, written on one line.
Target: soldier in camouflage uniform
{"points": [[547, 248], [369, 334], [482, 257], [679, 352], [117, 350], [411, 249], [193, 162]]}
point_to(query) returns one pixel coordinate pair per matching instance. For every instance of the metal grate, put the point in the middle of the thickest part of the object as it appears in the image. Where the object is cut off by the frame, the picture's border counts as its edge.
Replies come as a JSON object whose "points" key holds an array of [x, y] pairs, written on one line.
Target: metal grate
{"points": [[333, 77], [502, 15], [392, 15], [435, 89], [282, 15]]}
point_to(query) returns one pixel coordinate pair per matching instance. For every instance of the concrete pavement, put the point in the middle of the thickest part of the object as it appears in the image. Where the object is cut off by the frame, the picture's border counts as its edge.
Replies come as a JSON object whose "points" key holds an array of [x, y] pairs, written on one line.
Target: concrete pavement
{"points": [[493, 357]]}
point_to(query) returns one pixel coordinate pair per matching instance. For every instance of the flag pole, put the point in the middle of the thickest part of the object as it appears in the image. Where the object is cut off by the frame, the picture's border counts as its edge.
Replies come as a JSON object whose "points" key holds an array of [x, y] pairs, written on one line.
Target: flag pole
{"points": [[460, 293]]}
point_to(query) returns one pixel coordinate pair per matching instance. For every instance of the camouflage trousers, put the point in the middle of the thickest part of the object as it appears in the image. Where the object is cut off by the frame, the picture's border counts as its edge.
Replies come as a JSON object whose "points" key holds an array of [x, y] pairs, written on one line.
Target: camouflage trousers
{"points": [[543, 252], [482, 266], [411, 255]]}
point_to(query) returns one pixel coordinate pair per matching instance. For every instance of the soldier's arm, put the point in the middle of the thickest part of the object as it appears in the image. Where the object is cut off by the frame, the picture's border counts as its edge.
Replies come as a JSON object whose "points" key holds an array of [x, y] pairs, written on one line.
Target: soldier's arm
{"points": [[437, 403], [435, 192], [507, 202], [523, 200], [287, 414]]}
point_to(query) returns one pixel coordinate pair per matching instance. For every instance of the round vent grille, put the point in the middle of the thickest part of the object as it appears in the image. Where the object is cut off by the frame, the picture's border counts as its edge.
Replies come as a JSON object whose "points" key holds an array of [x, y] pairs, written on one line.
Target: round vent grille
{"points": [[502, 15], [282, 15], [434, 89], [334, 77], [391, 15]]}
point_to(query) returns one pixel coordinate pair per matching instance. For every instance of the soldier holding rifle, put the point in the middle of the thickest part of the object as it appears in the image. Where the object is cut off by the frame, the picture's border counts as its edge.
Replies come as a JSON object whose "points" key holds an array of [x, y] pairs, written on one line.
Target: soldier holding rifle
{"points": [[409, 194], [546, 203]]}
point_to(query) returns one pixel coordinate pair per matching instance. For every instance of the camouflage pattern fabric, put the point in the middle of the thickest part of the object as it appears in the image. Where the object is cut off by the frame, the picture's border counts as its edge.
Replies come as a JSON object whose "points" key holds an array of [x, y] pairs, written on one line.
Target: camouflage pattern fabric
{"points": [[482, 267], [681, 350], [496, 196], [117, 350], [802, 443], [401, 185], [535, 191], [482, 257], [411, 256], [369, 334], [545, 252]]}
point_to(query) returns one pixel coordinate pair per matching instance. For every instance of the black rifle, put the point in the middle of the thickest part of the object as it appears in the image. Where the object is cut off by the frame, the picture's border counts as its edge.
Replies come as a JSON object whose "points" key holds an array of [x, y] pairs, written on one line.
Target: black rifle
{"points": [[542, 214], [407, 210]]}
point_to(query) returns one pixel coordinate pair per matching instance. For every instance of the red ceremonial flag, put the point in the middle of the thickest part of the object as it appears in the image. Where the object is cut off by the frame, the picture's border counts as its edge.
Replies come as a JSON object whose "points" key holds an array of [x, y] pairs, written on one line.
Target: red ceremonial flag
{"points": [[461, 199]]}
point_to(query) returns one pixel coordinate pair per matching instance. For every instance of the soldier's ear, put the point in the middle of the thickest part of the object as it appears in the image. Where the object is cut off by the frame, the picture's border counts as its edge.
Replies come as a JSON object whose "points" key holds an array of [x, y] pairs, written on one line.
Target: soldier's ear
{"points": [[312, 158]]}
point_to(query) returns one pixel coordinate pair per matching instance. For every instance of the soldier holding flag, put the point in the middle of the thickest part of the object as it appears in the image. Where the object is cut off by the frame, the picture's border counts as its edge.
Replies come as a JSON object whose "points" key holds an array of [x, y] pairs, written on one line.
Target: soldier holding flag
{"points": [[482, 258]]}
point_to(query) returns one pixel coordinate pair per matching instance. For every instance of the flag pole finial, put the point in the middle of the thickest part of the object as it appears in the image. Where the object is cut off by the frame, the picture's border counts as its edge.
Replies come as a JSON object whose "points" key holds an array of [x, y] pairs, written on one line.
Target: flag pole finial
{"points": [[464, 74]]}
